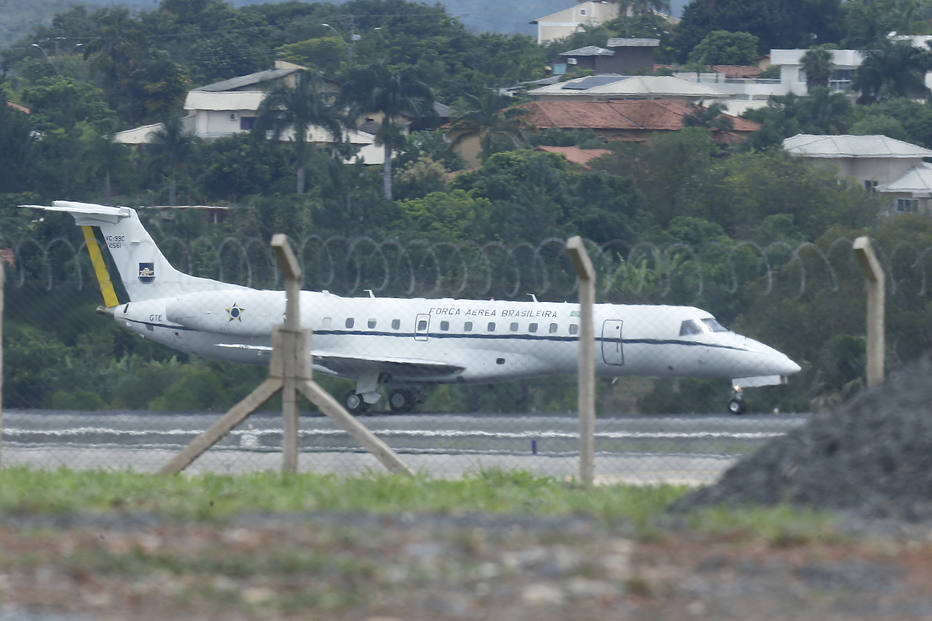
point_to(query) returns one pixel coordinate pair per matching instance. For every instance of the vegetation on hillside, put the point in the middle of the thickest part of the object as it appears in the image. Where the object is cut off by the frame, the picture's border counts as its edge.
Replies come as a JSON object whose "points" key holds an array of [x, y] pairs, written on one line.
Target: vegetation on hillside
{"points": [[729, 229]]}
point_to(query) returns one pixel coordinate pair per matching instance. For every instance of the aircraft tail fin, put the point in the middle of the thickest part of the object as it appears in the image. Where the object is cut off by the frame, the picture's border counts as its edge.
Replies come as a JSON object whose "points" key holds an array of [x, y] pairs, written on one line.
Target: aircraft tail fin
{"points": [[144, 270]]}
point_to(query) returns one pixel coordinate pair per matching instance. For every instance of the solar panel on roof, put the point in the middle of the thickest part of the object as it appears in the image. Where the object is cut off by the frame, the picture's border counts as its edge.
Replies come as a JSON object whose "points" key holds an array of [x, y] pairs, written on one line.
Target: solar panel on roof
{"points": [[590, 81]]}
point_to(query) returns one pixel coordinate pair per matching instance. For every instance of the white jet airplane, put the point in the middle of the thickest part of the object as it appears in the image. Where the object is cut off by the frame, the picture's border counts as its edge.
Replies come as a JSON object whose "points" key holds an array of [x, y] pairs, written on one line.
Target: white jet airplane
{"points": [[410, 342]]}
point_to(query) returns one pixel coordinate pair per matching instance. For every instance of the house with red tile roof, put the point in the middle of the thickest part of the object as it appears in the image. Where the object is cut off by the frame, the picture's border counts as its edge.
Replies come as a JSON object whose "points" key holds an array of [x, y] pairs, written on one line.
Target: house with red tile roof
{"points": [[630, 119], [633, 120]]}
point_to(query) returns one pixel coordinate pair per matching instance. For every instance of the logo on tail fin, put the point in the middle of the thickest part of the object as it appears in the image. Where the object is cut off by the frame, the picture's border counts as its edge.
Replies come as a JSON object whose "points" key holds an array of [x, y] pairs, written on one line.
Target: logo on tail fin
{"points": [[146, 272]]}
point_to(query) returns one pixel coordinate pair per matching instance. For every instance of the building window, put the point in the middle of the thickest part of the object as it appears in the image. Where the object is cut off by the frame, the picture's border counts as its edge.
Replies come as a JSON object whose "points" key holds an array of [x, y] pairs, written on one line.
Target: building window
{"points": [[247, 122], [870, 185], [582, 12], [396, 324], [907, 205]]}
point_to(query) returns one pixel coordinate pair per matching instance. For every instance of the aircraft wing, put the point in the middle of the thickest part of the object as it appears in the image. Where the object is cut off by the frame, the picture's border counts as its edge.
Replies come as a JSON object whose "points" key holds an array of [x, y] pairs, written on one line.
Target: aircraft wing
{"points": [[343, 364]]}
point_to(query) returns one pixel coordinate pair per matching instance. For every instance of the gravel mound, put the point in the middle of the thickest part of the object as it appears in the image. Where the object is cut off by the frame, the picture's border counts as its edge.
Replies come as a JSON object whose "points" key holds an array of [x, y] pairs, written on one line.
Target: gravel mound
{"points": [[871, 456]]}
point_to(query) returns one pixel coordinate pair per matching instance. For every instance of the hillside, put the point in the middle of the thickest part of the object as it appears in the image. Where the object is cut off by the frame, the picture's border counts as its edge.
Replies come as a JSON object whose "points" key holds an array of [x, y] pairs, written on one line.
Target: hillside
{"points": [[18, 17]]}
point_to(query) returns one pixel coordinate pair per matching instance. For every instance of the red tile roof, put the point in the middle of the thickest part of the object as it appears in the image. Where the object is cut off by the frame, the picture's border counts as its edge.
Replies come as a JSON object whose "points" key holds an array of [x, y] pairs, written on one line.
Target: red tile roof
{"points": [[16, 106], [576, 155], [623, 115], [737, 71]]}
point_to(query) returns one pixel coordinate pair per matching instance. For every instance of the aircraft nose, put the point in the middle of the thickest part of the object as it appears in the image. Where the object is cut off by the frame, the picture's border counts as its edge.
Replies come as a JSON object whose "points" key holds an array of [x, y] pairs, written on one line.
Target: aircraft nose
{"points": [[790, 367]]}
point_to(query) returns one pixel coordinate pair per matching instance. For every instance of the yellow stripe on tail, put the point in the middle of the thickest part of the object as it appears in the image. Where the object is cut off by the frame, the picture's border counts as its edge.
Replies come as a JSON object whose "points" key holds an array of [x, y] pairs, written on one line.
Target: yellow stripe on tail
{"points": [[97, 260]]}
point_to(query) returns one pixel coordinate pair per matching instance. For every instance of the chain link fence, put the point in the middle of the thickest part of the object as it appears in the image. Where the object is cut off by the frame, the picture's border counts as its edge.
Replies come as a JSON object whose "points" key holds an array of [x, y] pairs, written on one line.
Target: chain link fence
{"points": [[88, 390]]}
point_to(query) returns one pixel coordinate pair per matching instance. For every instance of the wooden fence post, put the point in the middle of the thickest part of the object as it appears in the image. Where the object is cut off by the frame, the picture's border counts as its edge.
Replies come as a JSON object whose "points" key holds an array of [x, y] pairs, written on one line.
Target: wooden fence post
{"points": [[586, 380], [2, 281], [873, 273]]}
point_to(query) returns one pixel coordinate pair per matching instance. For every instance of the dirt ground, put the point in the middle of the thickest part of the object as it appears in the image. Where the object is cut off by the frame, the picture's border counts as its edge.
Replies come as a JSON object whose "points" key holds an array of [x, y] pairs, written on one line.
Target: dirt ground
{"points": [[443, 567]]}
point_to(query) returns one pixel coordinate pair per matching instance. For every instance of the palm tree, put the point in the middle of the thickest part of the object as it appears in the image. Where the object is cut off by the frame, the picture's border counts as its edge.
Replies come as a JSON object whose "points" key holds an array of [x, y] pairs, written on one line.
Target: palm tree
{"points": [[817, 63], [377, 90], [489, 118], [173, 145], [893, 70], [711, 117], [297, 109]]}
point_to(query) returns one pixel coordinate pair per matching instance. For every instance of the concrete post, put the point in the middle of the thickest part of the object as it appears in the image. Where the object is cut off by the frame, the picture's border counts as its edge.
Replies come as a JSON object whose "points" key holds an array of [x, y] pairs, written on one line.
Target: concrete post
{"points": [[586, 380], [873, 273]]}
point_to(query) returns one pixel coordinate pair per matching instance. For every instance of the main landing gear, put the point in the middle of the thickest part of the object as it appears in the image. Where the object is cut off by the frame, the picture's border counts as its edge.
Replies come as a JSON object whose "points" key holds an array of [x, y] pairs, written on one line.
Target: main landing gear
{"points": [[400, 400]]}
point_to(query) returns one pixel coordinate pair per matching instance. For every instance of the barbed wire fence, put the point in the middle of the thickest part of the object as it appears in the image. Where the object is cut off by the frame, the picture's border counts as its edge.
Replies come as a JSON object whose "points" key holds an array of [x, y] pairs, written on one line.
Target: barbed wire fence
{"points": [[682, 449]]}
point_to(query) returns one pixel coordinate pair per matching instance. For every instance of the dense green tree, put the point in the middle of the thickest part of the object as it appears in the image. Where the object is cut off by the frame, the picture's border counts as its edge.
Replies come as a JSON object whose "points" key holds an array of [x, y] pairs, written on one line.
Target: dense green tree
{"points": [[379, 90], [775, 24], [297, 110], [61, 102], [914, 117], [17, 149], [721, 47], [115, 54], [868, 22]]}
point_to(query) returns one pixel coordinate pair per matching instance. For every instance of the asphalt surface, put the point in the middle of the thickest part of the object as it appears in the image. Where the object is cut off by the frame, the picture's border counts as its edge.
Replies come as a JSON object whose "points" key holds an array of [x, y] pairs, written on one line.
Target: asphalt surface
{"points": [[691, 449]]}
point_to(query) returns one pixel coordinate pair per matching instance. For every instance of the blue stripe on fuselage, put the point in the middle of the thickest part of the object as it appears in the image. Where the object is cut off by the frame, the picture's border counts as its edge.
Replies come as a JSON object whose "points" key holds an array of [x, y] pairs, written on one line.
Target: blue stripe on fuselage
{"points": [[475, 335]]}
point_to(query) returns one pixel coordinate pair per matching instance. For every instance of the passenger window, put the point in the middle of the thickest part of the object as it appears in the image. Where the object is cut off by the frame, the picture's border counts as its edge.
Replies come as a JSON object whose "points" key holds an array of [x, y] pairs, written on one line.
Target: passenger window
{"points": [[444, 325], [532, 327], [574, 328], [421, 325], [467, 327], [514, 326], [350, 322], [396, 323], [325, 324], [553, 328], [372, 323], [491, 326]]}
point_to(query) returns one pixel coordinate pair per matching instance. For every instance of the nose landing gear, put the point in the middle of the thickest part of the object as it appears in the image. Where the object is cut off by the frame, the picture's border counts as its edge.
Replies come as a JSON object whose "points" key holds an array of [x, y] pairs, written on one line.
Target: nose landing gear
{"points": [[736, 405]]}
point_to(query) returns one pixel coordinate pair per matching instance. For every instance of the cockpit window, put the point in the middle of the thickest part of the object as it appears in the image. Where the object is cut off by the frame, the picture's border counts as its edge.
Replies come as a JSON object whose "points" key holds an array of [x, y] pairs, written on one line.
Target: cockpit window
{"points": [[690, 327], [713, 326], [701, 326]]}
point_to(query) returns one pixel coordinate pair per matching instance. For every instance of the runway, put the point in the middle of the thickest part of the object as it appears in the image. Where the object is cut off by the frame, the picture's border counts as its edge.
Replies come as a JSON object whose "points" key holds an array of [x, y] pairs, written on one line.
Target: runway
{"points": [[690, 449]]}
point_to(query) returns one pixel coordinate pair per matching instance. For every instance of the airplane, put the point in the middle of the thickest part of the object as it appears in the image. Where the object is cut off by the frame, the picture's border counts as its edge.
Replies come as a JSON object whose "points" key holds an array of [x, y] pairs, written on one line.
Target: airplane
{"points": [[407, 343]]}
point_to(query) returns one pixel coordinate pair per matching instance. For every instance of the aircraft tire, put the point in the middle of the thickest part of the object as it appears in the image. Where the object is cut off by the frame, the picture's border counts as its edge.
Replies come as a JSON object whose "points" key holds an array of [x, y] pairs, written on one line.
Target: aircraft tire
{"points": [[401, 401], [736, 407], [354, 403]]}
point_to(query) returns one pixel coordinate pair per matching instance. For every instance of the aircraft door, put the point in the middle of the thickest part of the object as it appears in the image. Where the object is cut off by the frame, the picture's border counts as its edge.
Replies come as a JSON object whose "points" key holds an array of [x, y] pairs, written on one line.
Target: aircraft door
{"points": [[421, 326], [612, 352]]}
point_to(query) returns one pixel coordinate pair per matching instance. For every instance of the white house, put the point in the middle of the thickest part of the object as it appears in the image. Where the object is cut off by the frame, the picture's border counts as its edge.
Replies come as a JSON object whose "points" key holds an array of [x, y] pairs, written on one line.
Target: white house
{"points": [[878, 163], [563, 23], [230, 106]]}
